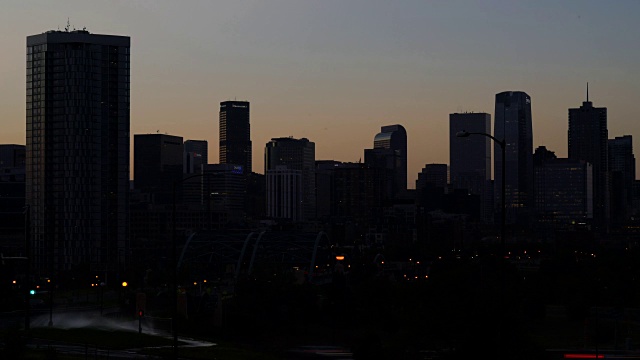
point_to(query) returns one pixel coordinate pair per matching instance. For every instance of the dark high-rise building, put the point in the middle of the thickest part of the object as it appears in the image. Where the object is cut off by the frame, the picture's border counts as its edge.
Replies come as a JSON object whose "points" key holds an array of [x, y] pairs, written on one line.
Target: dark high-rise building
{"points": [[12, 156], [513, 125], [196, 154], [157, 163], [470, 157], [12, 199], [348, 192], [235, 134], [434, 174], [587, 139], [298, 155], [224, 189], [394, 137], [77, 159], [622, 170], [563, 193]]}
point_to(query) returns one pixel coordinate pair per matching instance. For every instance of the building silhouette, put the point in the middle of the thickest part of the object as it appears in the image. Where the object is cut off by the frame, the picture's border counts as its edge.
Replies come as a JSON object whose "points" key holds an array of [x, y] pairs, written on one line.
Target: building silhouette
{"points": [[434, 174], [12, 198], [470, 158], [298, 155], [157, 164], [348, 193], [587, 140], [513, 125], [224, 188], [77, 151], [394, 137], [196, 154], [622, 174], [235, 134], [563, 195]]}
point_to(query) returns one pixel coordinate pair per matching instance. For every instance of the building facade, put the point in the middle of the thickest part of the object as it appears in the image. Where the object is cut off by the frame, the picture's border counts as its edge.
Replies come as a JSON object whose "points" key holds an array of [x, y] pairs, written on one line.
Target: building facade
{"points": [[157, 164], [394, 137], [513, 126], [622, 174], [587, 140], [196, 154], [563, 194], [299, 155], [470, 157], [77, 151], [235, 134]]}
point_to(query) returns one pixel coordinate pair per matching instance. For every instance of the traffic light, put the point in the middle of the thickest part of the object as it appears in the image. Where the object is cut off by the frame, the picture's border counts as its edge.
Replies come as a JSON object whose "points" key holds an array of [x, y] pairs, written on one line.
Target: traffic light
{"points": [[32, 292], [140, 313]]}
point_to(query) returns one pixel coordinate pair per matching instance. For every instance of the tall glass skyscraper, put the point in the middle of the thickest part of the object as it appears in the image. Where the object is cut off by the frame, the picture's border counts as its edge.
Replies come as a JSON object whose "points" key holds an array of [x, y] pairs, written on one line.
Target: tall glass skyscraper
{"points": [[394, 137], [235, 134], [77, 161], [513, 125]]}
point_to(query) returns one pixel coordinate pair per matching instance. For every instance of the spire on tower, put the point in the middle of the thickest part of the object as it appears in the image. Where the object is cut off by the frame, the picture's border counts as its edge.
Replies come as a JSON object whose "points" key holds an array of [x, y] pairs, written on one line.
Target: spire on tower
{"points": [[587, 91]]}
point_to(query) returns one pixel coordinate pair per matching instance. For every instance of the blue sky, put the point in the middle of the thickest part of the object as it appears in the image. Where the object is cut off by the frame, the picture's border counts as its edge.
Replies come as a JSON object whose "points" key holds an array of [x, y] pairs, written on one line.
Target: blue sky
{"points": [[335, 71]]}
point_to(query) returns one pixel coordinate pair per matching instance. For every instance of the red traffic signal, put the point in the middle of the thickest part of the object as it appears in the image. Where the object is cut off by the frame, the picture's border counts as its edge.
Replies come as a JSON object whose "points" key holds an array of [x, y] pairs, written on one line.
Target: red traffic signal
{"points": [[140, 313]]}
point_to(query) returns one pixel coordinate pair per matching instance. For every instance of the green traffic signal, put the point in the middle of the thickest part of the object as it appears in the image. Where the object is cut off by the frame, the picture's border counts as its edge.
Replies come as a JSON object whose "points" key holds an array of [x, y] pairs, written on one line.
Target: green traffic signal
{"points": [[32, 292]]}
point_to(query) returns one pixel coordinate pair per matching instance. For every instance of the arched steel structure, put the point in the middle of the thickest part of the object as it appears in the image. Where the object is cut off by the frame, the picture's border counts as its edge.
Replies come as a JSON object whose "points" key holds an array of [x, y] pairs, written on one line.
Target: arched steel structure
{"points": [[225, 254]]}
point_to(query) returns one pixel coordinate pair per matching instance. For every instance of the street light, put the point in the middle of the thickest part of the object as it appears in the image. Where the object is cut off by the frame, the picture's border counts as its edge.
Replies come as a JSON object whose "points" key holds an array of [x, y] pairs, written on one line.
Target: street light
{"points": [[503, 218]]}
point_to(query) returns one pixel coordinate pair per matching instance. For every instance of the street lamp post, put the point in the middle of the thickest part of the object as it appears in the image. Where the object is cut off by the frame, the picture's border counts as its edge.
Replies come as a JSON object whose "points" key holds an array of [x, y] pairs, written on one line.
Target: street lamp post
{"points": [[503, 217]]}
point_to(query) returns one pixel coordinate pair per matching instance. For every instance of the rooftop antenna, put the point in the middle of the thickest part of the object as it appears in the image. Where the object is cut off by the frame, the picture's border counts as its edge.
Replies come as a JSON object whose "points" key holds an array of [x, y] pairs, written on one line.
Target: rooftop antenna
{"points": [[587, 91], [68, 25]]}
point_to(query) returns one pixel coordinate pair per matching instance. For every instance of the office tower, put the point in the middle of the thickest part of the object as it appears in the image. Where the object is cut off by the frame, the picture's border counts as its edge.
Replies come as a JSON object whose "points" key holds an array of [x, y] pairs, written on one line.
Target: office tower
{"points": [[587, 140], [235, 134], [285, 193], [157, 164], [563, 193], [299, 155], [433, 174], [394, 137], [77, 160], [348, 192], [622, 170], [196, 154], [224, 188], [12, 156], [513, 125], [470, 157], [12, 199], [386, 162]]}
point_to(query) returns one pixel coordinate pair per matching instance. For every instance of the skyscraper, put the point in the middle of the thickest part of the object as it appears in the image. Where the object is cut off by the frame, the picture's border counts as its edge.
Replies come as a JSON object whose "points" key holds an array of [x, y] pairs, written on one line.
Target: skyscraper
{"points": [[513, 125], [563, 191], [470, 157], [298, 155], [394, 137], [77, 158], [235, 134], [157, 164], [622, 170], [587, 140], [196, 154], [433, 174]]}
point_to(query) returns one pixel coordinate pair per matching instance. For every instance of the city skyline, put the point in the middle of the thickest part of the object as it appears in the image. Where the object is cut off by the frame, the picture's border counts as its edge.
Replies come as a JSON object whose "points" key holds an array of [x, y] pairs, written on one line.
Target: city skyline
{"points": [[341, 77]]}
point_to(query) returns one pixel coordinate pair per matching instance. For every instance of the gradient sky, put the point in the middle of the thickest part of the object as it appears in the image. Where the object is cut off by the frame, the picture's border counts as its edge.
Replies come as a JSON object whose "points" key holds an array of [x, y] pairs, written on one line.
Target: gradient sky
{"points": [[336, 71]]}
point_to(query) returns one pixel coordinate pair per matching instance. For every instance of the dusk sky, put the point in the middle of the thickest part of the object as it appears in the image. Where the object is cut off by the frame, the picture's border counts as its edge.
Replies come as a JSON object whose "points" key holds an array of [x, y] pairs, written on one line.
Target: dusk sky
{"points": [[336, 71]]}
